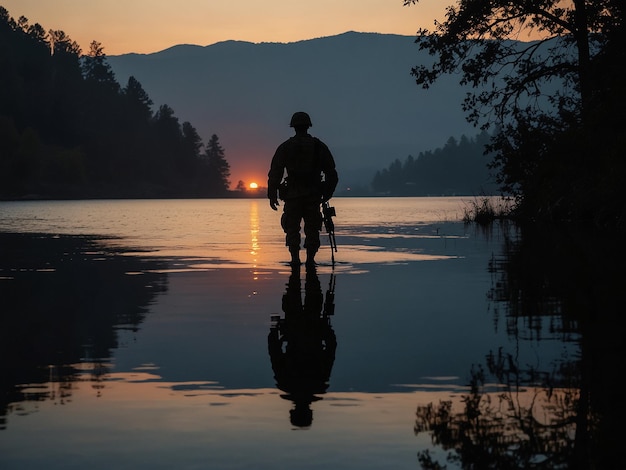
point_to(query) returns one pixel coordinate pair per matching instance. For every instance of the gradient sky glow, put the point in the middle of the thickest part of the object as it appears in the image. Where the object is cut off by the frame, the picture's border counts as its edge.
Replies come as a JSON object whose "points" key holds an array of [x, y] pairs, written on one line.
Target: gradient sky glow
{"points": [[146, 26]]}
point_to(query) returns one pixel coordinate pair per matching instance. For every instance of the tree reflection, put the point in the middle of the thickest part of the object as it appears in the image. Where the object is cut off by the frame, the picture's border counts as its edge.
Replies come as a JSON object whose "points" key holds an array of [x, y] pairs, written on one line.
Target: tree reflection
{"points": [[65, 300], [547, 284], [302, 344]]}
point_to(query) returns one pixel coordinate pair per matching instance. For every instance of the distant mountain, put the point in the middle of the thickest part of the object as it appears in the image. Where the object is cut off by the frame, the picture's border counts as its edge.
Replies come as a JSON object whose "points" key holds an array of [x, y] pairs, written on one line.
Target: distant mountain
{"points": [[357, 88]]}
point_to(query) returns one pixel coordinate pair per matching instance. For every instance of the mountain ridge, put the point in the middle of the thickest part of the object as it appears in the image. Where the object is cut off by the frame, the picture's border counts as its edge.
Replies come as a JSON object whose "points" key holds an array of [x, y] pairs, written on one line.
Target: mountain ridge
{"points": [[356, 86]]}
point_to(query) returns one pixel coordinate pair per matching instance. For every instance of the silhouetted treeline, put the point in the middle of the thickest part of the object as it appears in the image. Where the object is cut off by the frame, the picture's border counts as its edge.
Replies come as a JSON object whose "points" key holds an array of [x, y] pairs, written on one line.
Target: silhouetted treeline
{"points": [[69, 129], [61, 324], [459, 168]]}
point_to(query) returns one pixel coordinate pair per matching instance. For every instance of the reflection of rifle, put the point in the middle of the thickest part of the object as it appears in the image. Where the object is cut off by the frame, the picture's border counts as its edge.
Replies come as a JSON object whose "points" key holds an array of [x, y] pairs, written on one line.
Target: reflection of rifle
{"points": [[328, 214]]}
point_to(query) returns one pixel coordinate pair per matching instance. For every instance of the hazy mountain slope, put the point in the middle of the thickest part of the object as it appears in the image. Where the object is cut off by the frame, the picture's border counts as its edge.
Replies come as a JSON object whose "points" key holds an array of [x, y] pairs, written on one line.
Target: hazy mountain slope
{"points": [[357, 88]]}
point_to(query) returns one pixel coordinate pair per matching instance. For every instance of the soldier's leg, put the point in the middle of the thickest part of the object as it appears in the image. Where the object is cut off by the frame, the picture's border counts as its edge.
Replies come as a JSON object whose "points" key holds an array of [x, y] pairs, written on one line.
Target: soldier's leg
{"points": [[312, 226], [290, 222]]}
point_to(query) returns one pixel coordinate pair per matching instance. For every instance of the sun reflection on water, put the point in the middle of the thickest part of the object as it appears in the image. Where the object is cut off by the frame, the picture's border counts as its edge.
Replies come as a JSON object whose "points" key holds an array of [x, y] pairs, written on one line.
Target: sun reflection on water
{"points": [[254, 230]]}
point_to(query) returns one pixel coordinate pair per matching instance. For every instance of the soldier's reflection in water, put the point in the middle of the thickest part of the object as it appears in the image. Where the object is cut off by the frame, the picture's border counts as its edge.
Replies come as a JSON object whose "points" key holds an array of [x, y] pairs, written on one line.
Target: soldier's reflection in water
{"points": [[302, 344]]}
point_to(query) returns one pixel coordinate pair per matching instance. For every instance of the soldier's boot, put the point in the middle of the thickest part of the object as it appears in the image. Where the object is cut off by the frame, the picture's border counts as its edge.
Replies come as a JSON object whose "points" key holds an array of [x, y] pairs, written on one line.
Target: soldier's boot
{"points": [[310, 256]]}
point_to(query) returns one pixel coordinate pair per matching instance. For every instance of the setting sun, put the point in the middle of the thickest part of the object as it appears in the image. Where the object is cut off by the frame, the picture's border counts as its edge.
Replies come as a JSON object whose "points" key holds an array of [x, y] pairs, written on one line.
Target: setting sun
{"points": [[254, 186]]}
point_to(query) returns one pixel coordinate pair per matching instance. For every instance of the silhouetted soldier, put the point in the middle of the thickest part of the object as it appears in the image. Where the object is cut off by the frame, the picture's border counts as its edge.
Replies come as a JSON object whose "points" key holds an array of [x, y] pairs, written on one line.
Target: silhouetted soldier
{"points": [[304, 159], [302, 345]]}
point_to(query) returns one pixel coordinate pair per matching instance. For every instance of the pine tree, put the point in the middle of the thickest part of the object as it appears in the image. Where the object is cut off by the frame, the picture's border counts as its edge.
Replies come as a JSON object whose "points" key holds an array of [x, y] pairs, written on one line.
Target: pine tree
{"points": [[216, 160]]}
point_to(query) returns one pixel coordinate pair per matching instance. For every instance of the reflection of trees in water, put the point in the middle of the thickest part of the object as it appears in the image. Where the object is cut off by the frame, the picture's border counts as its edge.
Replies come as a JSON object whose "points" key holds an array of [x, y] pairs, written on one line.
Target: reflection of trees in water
{"points": [[528, 287], [502, 429], [65, 301], [563, 285]]}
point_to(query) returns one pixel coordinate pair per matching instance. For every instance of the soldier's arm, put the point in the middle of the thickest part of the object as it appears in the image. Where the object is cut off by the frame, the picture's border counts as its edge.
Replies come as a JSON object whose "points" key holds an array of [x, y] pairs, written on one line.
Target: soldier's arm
{"points": [[274, 177], [331, 177]]}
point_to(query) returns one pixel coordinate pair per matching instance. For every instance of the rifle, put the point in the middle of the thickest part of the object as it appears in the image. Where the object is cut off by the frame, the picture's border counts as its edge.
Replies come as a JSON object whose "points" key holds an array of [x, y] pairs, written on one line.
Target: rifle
{"points": [[328, 214]]}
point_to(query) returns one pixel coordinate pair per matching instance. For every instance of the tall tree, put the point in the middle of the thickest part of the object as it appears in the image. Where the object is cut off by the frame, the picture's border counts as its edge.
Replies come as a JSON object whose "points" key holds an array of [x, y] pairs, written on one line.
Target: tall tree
{"points": [[189, 158], [548, 96], [135, 134], [97, 69], [166, 140], [102, 106], [138, 101], [480, 39], [219, 166], [66, 86]]}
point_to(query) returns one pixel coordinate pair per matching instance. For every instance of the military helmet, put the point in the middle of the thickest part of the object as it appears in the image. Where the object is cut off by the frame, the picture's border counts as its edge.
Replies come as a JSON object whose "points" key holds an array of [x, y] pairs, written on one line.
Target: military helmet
{"points": [[300, 119]]}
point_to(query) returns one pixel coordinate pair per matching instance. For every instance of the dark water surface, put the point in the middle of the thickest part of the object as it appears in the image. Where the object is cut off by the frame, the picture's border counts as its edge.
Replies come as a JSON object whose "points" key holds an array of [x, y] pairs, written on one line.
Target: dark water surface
{"points": [[171, 334]]}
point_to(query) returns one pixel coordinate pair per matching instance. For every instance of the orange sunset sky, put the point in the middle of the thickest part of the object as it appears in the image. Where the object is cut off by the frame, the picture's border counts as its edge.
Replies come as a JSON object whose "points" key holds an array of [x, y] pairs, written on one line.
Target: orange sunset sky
{"points": [[145, 26]]}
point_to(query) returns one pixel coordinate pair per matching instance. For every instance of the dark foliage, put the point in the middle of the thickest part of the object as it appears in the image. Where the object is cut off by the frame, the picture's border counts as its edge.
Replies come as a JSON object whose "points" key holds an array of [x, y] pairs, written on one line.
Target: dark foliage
{"points": [[69, 130], [558, 101]]}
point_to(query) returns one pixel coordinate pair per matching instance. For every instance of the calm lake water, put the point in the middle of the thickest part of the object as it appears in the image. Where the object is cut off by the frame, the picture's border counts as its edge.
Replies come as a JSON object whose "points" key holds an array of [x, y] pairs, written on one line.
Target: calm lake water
{"points": [[172, 334]]}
